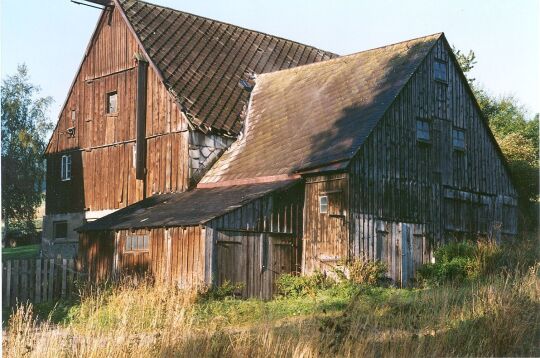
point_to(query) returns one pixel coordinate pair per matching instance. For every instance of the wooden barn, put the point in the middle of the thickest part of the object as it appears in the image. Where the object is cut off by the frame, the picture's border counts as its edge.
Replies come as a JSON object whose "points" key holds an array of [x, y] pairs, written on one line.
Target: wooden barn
{"points": [[202, 152]]}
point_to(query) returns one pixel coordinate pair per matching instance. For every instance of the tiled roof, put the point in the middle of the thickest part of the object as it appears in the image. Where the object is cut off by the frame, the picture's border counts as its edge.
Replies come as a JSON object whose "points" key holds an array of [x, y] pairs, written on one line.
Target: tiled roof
{"points": [[202, 60], [318, 114], [183, 209]]}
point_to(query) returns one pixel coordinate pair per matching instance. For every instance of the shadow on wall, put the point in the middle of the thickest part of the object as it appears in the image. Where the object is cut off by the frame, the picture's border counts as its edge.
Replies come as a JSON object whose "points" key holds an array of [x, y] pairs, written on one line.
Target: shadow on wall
{"points": [[357, 121], [65, 195]]}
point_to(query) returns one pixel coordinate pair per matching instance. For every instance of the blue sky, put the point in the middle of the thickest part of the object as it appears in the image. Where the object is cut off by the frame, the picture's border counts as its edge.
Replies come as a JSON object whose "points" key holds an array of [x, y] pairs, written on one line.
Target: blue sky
{"points": [[51, 36]]}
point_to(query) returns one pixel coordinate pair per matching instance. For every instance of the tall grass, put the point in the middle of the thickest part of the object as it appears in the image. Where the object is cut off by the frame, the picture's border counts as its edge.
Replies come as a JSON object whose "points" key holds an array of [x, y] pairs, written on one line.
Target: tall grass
{"points": [[493, 315]]}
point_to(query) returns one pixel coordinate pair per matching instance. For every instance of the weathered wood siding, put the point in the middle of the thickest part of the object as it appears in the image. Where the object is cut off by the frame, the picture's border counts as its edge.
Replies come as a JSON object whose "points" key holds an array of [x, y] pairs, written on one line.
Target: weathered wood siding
{"points": [[102, 145], [396, 179], [256, 242], [326, 235], [174, 255], [96, 255]]}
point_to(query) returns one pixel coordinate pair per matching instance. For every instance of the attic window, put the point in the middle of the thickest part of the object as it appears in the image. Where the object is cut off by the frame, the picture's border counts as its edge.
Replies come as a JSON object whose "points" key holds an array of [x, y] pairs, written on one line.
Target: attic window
{"points": [[440, 72], [65, 168], [323, 204], [458, 139], [422, 130], [112, 103], [73, 116]]}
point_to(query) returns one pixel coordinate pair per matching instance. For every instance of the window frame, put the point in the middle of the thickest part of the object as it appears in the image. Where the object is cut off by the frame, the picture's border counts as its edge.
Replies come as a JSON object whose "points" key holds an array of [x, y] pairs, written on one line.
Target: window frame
{"points": [[138, 238], [65, 167], [108, 96], [454, 146], [437, 62], [55, 230], [325, 205], [418, 138]]}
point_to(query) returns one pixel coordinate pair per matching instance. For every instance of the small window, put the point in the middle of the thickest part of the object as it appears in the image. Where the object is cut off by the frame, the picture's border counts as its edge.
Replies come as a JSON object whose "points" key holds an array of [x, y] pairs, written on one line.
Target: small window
{"points": [[65, 169], [440, 71], [458, 139], [60, 229], [323, 204], [73, 116], [112, 102], [422, 130], [136, 243]]}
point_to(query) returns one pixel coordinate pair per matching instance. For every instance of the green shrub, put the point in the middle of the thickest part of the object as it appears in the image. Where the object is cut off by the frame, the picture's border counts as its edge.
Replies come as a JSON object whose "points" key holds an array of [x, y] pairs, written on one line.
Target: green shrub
{"points": [[460, 261], [367, 272], [226, 290], [296, 286]]}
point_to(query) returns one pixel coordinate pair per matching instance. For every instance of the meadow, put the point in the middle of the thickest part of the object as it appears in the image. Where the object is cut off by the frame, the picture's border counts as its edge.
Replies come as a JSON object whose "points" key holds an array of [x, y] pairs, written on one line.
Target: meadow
{"points": [[479, 299]]}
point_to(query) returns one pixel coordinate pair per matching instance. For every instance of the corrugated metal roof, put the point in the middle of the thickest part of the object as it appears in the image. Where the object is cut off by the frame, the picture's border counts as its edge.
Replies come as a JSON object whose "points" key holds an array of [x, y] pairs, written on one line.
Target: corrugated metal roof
{"points": [[183, 209], [318, 114], [202, 60]]}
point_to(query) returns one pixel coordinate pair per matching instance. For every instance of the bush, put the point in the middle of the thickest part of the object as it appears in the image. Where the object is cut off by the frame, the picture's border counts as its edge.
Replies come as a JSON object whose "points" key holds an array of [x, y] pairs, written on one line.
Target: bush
{"points": [[367, 272], [226, 290], [460, 261], [296, 286]]}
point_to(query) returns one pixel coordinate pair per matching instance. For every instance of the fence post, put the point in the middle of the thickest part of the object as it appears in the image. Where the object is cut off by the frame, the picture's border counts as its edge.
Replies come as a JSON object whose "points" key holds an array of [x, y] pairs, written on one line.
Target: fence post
{"points": [[51, 278], [16, 277], [64, 277], [38, 281]]}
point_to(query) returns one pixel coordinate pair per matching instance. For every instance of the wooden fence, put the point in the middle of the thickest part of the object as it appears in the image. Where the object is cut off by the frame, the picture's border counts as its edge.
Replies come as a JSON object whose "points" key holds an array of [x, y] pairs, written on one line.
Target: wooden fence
{"points": [[38, 280]]}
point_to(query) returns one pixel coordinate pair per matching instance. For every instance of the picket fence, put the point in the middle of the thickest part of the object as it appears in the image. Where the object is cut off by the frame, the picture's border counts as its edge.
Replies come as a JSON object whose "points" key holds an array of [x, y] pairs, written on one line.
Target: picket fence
{"points": [[38, 280]]}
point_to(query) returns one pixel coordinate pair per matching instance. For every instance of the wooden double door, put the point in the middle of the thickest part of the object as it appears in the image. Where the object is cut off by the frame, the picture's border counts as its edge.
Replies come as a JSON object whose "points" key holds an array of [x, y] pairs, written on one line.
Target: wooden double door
{"points": [[254, 260]]}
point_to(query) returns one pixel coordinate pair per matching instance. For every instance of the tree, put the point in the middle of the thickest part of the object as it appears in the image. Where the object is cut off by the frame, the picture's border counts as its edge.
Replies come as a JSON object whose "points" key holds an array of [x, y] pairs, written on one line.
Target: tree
{"points": [[516, 135], [24, 126]]}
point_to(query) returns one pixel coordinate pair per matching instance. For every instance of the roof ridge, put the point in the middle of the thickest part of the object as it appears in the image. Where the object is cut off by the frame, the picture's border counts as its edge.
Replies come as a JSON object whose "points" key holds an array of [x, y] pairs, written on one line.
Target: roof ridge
{"points": [[122, 2], [345, 57]]}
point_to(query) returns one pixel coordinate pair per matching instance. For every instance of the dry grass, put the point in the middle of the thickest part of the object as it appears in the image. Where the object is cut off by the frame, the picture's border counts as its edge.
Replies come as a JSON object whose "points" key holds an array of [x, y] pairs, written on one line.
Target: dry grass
{"points": [[494, 316]]}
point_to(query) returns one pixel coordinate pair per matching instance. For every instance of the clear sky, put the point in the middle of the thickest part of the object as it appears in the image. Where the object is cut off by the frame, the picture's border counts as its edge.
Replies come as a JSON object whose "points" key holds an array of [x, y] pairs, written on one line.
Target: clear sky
{"points": [[50, 36]]}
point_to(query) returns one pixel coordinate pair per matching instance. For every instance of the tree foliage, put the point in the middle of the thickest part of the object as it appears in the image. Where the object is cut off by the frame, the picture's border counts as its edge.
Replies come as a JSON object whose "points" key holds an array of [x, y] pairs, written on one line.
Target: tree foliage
{"points": [[25, 127], [516, 134]]}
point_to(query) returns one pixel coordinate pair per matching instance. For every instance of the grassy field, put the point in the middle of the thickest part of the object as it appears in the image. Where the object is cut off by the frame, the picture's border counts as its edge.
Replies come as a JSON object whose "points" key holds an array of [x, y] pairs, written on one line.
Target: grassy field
{"points": [[479, 301], [21, 252]]}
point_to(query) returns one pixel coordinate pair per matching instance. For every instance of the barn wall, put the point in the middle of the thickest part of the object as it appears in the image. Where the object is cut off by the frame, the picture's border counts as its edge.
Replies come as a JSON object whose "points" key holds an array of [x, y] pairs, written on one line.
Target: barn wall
{"points": [[174, 255], [396, 179], [96, 255], [325, 243], [103, 145], [255, 243]]}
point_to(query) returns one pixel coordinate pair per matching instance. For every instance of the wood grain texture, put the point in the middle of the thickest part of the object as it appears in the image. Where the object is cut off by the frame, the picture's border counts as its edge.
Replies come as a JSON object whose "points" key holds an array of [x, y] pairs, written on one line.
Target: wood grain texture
{"points": [[102, 147]]}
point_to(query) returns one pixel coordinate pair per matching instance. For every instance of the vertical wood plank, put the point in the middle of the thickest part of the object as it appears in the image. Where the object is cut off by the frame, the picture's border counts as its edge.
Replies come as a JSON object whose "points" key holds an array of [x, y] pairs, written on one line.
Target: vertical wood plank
{"points": [[51, 280], [37, 298]]}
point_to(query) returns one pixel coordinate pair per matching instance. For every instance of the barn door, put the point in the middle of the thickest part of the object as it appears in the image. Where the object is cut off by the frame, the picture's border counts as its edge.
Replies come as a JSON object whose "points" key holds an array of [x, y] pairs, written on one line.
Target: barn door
{"points": [[413, 247], [232, 260]]}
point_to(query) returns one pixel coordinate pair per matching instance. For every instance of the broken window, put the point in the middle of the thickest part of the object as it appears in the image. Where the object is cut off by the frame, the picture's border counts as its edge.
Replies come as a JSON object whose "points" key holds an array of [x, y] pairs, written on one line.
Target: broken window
{"points": [[440, 70], [112, 102], [65, 167]]}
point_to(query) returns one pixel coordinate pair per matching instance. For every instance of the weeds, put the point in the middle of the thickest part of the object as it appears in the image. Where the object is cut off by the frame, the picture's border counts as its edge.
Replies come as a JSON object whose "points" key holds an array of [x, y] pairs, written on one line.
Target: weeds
{"points": [[495, 311]]}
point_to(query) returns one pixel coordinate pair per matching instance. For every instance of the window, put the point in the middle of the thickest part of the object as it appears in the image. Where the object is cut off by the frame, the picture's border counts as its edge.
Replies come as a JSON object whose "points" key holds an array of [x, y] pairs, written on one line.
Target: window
{"points": [[323, 204], [73, 116], [422, 130], [60, 229], [112, 102], [136, 243], [439, 70], [458, 139], [65, 169]]}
